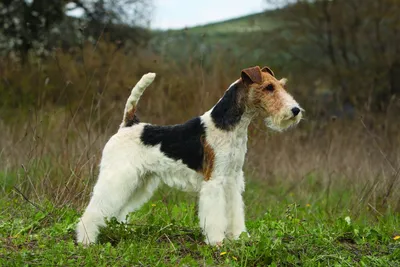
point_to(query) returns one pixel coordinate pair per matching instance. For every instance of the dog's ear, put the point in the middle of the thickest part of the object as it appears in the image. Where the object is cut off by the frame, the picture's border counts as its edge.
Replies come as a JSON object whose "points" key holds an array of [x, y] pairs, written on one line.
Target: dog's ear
{"points": [[251, 75], [266, 69]]}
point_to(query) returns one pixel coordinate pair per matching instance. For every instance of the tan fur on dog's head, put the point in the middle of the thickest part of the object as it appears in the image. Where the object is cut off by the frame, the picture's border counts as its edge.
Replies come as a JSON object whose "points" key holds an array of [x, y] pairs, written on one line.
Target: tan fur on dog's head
{"points": [[266, 96]]}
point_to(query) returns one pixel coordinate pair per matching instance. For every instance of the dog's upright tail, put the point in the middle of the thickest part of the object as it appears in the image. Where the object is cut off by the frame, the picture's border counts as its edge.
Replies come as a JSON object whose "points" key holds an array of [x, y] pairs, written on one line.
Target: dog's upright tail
{"points": [[130, 107]]}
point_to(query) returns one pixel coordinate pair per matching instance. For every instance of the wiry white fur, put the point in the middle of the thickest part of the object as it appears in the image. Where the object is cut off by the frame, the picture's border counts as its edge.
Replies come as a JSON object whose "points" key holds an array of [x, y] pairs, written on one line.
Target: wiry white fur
{"points": [[130, 172], [127, 181], [221, 208], [284, 119]]}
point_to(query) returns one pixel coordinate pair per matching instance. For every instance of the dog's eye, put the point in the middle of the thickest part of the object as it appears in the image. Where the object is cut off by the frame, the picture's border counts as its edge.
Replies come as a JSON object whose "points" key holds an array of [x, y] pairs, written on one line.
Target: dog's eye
{"points": [[269, 87]]}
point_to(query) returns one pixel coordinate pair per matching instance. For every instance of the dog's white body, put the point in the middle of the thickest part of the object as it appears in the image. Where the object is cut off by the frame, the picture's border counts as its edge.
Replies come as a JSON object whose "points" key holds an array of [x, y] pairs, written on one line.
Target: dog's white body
{"points": [[130, 172]]}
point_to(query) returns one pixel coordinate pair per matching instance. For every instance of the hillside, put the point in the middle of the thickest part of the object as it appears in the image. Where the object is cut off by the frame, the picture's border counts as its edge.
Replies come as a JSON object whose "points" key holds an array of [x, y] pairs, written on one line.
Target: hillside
{"points": [[265, 21], [244, 40]]}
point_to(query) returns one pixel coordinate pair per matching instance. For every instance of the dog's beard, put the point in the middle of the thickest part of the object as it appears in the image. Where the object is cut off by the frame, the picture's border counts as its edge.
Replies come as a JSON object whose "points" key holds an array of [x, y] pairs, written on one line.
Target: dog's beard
{"points": [[282, 122]]}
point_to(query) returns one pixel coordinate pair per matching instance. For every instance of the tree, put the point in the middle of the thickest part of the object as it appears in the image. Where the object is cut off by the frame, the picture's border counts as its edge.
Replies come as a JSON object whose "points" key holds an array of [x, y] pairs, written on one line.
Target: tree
{"points": [[27, 24], [358, 41], [120, 19]]}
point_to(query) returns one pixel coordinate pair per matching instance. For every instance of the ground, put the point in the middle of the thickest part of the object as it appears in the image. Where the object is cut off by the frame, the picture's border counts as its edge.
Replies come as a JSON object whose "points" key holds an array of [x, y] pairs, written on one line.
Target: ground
{"points": [[287, 229]]}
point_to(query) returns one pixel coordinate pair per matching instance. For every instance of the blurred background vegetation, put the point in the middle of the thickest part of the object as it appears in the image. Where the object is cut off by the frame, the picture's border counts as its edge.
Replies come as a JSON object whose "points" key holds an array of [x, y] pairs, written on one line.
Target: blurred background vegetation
{"points": [[65, 80]]}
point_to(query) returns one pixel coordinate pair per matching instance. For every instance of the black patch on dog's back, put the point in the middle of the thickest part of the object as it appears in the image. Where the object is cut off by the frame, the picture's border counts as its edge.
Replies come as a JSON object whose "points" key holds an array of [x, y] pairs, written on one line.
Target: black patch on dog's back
{"points": [[179, 142], [229, 110]]}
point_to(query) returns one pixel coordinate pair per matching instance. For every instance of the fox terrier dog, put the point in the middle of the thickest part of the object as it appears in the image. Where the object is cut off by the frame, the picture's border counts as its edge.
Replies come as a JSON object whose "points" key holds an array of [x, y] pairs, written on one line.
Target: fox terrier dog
{"points": [[205, 155]]}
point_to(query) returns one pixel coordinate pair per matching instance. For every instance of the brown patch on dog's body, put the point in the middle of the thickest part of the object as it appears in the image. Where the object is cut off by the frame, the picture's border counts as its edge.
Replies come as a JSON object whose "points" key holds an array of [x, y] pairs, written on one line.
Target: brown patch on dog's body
{"points": [[131, 118], [130, 114], [208, 159]]}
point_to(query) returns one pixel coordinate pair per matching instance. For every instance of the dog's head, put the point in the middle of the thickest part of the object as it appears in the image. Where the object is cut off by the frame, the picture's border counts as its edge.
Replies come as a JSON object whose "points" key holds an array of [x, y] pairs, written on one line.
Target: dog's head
{"points": [[266, 96]]}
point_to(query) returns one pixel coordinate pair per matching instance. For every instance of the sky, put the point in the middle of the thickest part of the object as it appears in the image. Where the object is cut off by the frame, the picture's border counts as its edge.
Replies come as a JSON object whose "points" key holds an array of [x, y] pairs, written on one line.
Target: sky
{"points": [[177, 14]]}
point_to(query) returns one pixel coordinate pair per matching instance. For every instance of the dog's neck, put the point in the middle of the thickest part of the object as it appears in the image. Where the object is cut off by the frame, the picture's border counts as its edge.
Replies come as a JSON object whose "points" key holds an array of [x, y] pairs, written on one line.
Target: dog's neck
{"points": [[231, 112]]}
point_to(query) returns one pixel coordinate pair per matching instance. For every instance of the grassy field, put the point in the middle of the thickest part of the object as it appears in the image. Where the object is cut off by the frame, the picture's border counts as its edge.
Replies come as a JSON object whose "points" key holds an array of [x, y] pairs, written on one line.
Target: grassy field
{"points": [[316, 196], [323, 194], [286, 230], [326, 193]]}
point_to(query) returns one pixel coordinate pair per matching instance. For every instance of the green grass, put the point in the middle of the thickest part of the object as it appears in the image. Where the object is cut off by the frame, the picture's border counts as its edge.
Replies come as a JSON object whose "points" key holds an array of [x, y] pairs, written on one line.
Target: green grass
{"points": [[286, 230]]}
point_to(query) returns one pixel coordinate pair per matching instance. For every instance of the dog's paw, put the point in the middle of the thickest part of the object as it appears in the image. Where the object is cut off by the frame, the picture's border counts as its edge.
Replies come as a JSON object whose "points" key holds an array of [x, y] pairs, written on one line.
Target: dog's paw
{"points": [[217, 243], [84, 241]]}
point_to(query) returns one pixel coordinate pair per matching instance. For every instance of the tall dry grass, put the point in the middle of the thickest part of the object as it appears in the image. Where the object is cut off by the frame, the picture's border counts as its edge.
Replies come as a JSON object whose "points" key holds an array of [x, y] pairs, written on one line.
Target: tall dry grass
{"points": [[62, 110]]}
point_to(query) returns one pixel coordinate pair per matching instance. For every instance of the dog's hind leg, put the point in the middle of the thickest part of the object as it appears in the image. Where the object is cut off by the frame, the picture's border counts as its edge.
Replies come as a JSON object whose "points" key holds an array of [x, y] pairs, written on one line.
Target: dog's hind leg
{"points": [[141, 195], [110, 194]]}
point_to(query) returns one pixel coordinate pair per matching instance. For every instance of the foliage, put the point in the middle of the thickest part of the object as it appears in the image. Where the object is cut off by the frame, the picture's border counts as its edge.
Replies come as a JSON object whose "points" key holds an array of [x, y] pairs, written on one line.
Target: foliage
{"points": [[39, 24], [353, 43], [26, 23]]}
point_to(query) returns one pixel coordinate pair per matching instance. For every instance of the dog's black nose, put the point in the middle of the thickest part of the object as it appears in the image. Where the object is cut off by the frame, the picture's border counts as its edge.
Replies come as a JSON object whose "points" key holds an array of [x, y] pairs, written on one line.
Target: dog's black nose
{"points": [[295, 111]]}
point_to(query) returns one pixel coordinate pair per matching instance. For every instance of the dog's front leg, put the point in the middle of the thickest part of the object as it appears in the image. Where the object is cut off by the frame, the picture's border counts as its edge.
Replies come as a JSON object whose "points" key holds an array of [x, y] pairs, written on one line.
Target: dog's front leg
{"points": [[212, 210], [235, 206]]}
